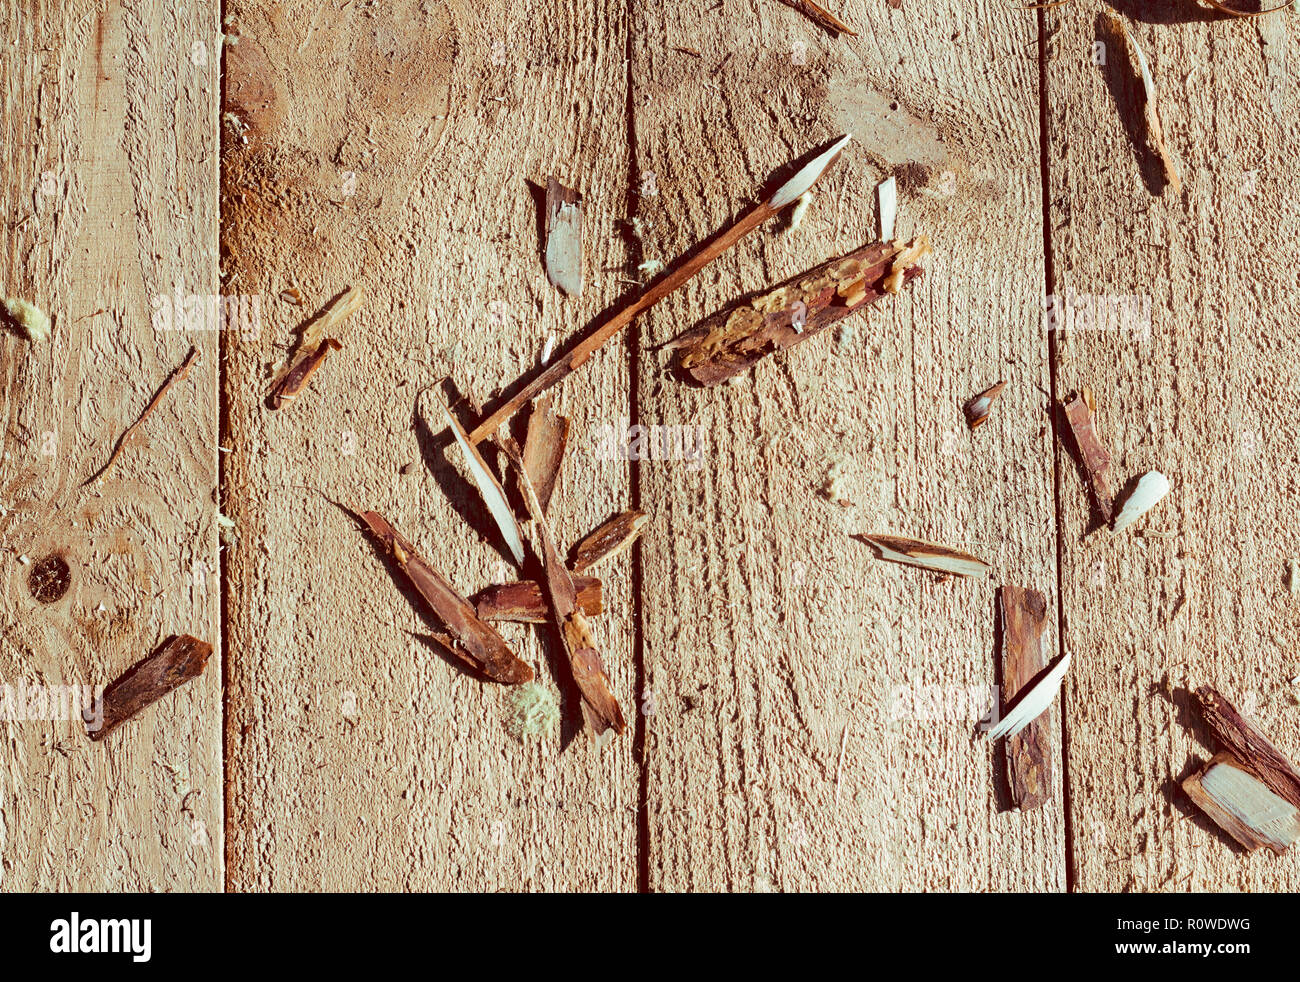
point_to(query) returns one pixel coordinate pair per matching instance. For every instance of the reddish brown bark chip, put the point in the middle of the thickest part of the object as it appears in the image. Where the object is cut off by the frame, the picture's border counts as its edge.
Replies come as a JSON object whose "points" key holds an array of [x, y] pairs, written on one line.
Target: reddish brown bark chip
{"points": [[1094, 456], [525, 602], [734, 339], [171, 666], [1028, 753]]}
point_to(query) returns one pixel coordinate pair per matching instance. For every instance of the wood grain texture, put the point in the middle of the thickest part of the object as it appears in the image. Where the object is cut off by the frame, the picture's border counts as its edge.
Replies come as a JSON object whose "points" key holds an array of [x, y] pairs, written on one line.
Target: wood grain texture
{"points": [[1194, 594], [393, 146], [794, 676], [109, 191]]}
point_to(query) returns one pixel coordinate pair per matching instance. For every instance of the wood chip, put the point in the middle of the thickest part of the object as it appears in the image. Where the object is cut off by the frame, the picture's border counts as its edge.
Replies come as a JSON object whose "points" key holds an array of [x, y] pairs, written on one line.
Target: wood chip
{"points": [[1251, 747], [176, 662], [979, 408], [1146, 494], [476, 643], [1155, 132], [824, 17], [737, 337], [544, 444], [1094, 456], [1028, 753], [608, 541], [316, 339], [1242, 805], [563, 237], [172, 379], [1237, 12], [526, 603], [926, 555], [296, 379], [489, 487], [887, 208], [1033, 702]]}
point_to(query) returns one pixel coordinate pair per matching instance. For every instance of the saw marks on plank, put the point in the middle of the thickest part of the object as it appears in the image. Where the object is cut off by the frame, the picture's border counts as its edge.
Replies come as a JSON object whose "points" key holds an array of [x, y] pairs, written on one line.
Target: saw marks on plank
{"points": [[798, 681], [1201, 384], [109, 218], [400, 150]]}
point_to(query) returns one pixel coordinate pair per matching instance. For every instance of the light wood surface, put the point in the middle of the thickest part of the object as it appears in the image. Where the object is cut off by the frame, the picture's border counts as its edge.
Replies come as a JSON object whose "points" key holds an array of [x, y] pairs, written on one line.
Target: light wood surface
{"points": [[109, 184], [801, 715]]}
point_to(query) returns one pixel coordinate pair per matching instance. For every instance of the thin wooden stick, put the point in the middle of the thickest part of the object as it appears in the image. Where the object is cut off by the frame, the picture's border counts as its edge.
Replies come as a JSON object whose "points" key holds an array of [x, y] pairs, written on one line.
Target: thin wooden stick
{"points": [[175, 377], [681, 273]]}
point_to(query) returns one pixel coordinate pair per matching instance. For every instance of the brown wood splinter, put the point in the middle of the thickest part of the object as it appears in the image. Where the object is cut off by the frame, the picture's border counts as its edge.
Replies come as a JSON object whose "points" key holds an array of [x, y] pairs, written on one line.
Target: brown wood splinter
{"points": [[478, 643], [315, 341], [1028, 754], [680, 273], [1094, 456], [600, 709], [544, 445], [732, 340], [606, 542], [176, 662], [172, 379], [296, 379]]}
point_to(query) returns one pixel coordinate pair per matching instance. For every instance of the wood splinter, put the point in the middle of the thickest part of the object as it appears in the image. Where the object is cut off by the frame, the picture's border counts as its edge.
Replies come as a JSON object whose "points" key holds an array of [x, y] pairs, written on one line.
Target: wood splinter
{"points": [[980, 407], [314, 345], [477, 643], [734, 339], [1092, 453], [563, 237], [1249, 745], [600, 709], [925, 555], [1242, 805], [544, 445], [525, 603], [172, 379], [1028, 754], [178, 660], [608, 541]]}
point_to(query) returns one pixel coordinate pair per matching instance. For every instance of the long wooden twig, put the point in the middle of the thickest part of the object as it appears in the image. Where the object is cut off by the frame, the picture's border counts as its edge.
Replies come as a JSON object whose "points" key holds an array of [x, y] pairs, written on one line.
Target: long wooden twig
{"points": [[600, 709], [679, 274], [172, 379]]}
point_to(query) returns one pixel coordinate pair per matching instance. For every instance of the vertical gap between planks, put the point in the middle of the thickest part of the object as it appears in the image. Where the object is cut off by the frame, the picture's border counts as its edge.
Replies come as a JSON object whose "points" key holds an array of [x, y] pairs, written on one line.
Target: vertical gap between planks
{"points": [[1049, 285], [631, 339], [223, 430]]}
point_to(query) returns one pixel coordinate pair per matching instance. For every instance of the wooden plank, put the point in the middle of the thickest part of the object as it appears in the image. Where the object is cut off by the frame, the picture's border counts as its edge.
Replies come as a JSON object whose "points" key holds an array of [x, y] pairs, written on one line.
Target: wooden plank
{"points": [[109, 189], [791, 672], [391, 146], [1205, 391]]}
